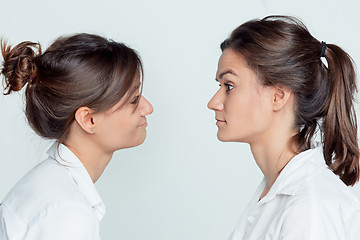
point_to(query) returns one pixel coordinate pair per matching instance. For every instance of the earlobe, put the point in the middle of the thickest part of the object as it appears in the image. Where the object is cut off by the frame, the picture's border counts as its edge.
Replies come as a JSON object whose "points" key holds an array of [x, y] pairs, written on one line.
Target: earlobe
{"points": [[281, 96], [85, 119]]}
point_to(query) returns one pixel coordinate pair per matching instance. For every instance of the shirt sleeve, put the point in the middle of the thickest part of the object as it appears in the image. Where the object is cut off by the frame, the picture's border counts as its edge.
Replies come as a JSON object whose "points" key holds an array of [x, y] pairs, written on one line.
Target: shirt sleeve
{"points": [[353, 225], [10, 226], [306, 219], [70, 221]]}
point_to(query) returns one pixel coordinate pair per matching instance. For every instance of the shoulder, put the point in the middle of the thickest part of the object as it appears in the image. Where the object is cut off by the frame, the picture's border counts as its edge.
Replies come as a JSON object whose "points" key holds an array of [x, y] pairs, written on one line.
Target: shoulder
{"points": [[323, 207], [75, 216], [311, 183], [326, 190], [47, 184], [60, 220]]}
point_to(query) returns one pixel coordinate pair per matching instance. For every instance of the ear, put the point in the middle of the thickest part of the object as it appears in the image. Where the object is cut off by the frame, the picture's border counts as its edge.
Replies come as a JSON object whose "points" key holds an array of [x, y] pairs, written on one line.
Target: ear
{"points": [[85, 118], [281, 95]]}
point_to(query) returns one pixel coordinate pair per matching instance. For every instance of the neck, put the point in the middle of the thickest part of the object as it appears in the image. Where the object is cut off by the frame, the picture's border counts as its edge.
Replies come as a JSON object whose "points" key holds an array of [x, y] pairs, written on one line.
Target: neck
{"points": [[89, 153], [271, 159], [273, 152]]}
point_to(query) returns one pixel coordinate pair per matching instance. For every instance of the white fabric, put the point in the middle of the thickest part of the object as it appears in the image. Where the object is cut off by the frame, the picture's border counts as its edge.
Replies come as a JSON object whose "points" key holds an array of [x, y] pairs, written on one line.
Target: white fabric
{"points": [[307, 201], [56, 200]]}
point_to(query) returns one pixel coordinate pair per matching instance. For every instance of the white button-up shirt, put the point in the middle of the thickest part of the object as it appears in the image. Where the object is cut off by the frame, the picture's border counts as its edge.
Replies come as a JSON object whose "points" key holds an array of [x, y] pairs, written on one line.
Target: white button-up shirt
{"points": [[307, 201], [56, 200]]}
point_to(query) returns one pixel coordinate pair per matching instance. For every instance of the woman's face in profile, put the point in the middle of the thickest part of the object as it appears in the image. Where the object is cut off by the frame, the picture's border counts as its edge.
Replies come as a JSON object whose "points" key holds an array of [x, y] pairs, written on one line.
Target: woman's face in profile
{"points": [[242, 106], [123, 125]]}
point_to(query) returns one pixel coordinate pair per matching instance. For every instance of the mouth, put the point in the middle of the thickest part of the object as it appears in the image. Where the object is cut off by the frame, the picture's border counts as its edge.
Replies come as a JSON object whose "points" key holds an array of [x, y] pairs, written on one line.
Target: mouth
{"points": [[219, 121], [143, 124]]}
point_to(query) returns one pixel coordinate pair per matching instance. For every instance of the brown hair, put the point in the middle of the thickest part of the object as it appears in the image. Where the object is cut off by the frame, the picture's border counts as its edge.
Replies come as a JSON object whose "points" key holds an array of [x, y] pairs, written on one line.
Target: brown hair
{"points": [[75, 71], [281, 51]]}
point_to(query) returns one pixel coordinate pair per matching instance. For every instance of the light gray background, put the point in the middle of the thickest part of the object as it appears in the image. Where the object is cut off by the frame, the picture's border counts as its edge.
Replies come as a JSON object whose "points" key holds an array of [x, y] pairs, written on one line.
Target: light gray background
{"points": [[182, 183]]}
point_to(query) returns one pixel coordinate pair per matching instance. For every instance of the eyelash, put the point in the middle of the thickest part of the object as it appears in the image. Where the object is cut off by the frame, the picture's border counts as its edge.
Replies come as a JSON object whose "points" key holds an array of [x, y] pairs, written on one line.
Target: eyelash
{"points": [[229, 87], [136, 100]]}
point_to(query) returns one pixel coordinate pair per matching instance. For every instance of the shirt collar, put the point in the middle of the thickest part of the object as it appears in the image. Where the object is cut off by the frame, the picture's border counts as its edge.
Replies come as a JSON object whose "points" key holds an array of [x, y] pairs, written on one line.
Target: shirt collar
{"points": [[68, 159], [296, 171]]}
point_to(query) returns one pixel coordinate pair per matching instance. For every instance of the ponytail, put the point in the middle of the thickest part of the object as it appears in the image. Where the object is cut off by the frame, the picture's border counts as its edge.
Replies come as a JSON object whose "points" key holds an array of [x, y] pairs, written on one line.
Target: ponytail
{"points": [[340, 144], [18, 67], [281, 50]]}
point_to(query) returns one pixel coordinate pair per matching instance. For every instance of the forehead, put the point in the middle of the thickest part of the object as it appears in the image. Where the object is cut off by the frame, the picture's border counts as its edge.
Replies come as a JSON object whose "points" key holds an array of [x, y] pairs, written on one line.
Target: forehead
{"points": [[230, 60], [233, 65], [136, 85]]}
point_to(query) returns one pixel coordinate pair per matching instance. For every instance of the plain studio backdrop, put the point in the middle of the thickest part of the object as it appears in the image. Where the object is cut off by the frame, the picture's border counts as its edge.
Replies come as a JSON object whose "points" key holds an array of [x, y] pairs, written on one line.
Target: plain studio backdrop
{"points": [[182, 183]]}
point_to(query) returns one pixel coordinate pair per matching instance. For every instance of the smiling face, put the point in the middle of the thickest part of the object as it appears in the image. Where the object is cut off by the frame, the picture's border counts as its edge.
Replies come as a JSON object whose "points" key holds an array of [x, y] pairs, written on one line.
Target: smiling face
{"points": [[242, 105], [124, 124]]}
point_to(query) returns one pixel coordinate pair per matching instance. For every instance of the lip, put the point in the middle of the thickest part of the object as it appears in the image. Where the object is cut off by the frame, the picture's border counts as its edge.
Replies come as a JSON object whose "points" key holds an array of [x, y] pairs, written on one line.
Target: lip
{"points": [[218, 121], [143, 124]]}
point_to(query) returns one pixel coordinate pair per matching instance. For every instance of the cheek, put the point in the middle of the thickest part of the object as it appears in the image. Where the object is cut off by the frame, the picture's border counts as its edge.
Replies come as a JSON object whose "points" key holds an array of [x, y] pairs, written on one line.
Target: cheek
{"points": [[121, 132], [247, 114], [241, 110], [125, 124], [119, 126]]}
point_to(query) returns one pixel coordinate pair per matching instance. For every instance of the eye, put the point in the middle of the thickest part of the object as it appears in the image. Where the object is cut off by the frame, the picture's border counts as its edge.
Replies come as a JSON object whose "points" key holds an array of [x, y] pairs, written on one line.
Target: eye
{"points": [[136, 100], [228, 87]]}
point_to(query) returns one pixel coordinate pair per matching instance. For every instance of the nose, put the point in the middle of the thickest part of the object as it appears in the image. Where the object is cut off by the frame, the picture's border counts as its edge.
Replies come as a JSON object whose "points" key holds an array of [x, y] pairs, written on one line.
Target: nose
{"points": [[145, 107], [216, 102]]}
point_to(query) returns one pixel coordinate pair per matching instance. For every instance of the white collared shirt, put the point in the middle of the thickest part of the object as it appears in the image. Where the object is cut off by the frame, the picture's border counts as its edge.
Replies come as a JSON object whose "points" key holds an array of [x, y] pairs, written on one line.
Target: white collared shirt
{"points": [[307, 201], [56, 200]]}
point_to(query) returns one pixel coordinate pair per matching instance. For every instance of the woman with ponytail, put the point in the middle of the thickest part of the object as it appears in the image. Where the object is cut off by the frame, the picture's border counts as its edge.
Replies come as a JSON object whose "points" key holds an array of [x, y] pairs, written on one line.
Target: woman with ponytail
{"points": [[84, 92], [279, 86]]}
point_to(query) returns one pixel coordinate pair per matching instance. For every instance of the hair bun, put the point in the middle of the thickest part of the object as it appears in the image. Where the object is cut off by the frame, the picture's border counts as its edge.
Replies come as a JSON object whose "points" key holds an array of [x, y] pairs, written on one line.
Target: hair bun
{"points": [[19, 67]]}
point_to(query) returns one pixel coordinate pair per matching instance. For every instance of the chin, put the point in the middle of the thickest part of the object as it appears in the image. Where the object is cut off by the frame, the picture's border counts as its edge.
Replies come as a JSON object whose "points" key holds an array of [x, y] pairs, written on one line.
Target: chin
{"points": [[140, 142], [137, 142], [133, 143], [226, 138], [222, 138]]}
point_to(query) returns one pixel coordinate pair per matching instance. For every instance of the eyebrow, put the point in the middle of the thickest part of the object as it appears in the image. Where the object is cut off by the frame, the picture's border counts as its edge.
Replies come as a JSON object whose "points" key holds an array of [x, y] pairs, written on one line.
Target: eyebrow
{"points": [[221, 75]]}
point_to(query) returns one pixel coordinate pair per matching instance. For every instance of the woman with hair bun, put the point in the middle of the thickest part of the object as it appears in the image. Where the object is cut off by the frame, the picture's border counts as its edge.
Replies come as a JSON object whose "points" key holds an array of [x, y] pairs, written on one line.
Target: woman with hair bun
{"points": [[84, 92], [278, 87]]}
